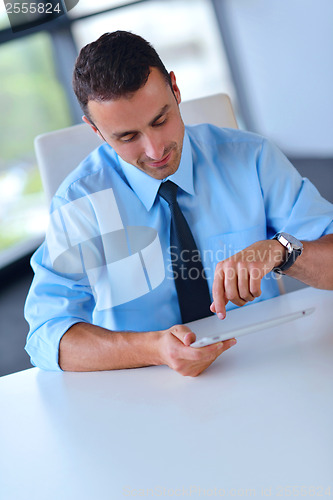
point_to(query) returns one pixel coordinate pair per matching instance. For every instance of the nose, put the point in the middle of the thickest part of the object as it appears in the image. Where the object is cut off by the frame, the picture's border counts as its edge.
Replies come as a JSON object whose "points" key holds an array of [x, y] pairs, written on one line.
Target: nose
{"points": [[154, 146]]}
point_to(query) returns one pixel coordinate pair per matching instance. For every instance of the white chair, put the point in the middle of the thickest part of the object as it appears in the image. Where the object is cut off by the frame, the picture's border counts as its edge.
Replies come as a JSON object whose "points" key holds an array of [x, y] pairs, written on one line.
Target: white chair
{"points": [[215, 109], [59, 152]]}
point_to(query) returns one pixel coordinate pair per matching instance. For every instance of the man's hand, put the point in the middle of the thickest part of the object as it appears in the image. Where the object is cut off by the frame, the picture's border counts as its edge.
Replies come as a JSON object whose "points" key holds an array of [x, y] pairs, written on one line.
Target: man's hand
{"points": [[175, 351], [238, 278], [86, 347]]}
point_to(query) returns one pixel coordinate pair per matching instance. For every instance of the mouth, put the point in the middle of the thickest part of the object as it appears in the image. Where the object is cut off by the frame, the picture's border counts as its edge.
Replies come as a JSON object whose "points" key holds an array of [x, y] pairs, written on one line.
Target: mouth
{"points": [[162, 162]]}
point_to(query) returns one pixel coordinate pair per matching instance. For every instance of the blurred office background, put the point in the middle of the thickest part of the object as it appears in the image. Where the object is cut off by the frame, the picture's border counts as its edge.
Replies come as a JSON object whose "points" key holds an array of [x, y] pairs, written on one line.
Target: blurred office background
{"points": [[273, 58]]}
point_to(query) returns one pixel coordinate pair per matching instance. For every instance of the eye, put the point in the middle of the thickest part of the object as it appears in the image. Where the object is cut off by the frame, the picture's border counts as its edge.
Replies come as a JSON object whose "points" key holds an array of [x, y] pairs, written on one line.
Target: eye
{"points": [[160, 121], [128, 138]]}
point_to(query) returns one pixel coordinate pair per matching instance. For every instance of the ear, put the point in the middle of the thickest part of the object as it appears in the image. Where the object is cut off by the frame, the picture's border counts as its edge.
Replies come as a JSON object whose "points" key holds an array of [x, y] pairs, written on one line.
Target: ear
{"points": [[88, 122], [175, 87]]}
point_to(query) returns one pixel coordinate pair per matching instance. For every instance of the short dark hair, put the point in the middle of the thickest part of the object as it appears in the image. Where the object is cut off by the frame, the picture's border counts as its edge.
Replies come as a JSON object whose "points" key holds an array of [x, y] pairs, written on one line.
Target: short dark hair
{"points": [[115, 65]]}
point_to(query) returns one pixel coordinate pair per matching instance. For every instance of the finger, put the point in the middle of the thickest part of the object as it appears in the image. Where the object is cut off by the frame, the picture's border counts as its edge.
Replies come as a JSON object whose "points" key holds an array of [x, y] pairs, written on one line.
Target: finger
{"points": [[205, 356], [213, 308], [220, 347], [244, 284], [210, 353], [229, 343], [231, 286], [255, 282], [183, 333], [189, 338], [219, 297], [217, 348]]}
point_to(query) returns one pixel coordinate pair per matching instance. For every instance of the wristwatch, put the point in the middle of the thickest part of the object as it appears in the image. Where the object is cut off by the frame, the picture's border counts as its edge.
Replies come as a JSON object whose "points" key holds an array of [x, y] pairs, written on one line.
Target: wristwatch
{"points": [[294, 249]]}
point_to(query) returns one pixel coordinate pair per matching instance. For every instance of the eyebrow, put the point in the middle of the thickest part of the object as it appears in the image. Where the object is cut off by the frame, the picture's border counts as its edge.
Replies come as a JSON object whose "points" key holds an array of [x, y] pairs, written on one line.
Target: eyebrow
{"points": [[119, 135]]}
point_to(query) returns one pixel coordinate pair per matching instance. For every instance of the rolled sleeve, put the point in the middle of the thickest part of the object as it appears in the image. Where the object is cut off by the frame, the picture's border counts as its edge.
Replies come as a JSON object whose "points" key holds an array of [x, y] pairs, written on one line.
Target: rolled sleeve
{"points": [[53, 305]]}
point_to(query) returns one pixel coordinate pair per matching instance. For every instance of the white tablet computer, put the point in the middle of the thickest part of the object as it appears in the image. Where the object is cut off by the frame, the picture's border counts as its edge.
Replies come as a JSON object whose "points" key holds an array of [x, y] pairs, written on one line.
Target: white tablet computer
{"points": [[254, 327]]}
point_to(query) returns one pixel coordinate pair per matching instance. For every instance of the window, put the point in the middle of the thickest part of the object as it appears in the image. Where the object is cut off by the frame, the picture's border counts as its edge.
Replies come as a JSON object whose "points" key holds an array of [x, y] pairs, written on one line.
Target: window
{"points": [[31, 102], [85, 7], [184, 33]]}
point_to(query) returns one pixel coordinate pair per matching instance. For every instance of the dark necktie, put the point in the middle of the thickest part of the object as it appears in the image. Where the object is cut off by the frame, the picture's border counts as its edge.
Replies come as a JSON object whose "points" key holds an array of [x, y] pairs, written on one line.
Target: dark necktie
{"points": [[191, 284]]}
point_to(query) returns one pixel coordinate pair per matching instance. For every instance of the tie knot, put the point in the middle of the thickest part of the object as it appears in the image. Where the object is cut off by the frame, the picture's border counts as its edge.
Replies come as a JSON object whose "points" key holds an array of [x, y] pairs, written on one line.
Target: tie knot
{"points": [[168, 191]]}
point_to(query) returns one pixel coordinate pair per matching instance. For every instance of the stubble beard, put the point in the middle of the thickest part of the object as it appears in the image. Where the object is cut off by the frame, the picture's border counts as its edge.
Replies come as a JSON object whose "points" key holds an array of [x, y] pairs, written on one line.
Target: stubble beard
{"points": [[167, 169]]}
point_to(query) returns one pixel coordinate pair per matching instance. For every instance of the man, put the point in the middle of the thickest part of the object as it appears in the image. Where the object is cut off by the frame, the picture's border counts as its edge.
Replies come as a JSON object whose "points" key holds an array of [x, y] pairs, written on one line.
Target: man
{"points": [[107, 292]]}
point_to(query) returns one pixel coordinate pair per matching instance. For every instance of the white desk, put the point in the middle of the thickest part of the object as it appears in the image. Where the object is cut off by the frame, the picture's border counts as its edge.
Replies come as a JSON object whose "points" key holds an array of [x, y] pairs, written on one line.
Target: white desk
{"points": [[257, 422]]}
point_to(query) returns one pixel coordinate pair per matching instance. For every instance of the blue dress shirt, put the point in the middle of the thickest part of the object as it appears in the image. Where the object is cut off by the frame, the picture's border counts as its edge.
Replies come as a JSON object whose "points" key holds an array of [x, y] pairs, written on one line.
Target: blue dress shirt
{"points": [[106, 258]]}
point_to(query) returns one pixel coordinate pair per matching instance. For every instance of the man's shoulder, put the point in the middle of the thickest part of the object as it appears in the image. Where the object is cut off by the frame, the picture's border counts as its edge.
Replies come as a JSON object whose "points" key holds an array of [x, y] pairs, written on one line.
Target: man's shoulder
{"points": [[91, 174], [207, 133]]}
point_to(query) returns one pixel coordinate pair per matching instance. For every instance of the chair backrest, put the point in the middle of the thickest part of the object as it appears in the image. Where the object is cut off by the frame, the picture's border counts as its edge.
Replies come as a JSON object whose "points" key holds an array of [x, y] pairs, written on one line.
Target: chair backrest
{"points": [[215, 109], [59, 152]]}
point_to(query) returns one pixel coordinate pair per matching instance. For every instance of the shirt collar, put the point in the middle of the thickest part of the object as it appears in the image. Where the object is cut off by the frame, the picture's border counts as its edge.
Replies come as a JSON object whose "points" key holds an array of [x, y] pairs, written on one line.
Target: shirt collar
{"points": [[146, 187]]}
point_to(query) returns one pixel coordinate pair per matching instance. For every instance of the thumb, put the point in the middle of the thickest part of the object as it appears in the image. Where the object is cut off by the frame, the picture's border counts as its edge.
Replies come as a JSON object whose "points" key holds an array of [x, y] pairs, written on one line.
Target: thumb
{"points": [[184, 334]]}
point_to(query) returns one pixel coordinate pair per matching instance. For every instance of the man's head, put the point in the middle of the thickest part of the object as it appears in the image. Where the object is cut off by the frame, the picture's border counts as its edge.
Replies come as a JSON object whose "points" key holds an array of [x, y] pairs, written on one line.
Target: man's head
{"points": [[131, 101], [114, 66]]}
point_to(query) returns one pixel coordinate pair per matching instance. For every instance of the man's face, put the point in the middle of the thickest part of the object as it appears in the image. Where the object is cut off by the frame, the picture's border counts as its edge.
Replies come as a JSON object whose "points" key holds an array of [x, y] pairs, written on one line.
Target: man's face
{"points": [[146, 128]]}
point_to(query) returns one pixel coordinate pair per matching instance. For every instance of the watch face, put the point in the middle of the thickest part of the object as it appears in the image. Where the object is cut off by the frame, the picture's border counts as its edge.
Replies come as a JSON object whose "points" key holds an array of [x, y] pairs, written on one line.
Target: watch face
{"points": [[294, 248], [295, 243]]}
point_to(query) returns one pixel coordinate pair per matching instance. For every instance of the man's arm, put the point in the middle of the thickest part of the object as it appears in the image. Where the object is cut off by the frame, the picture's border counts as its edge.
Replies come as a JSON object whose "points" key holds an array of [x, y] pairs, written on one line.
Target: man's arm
{"points": [[238, 278], [86, 347], [315, 266]]}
